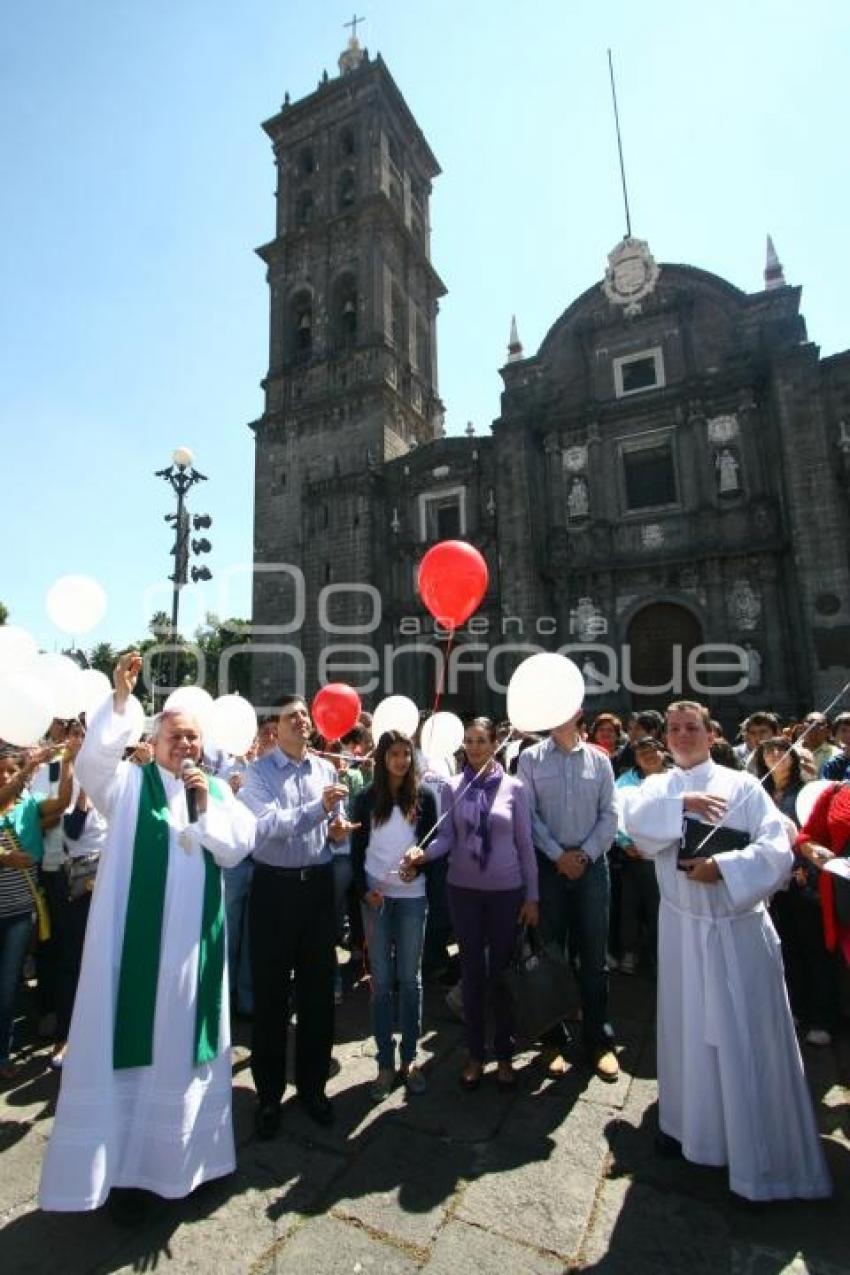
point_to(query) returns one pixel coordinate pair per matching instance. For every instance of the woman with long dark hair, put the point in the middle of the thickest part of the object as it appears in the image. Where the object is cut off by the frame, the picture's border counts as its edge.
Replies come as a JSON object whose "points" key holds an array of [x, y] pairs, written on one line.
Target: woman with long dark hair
{"points": [[810, 970], [23, 818], [394, 814], [492, 887]]}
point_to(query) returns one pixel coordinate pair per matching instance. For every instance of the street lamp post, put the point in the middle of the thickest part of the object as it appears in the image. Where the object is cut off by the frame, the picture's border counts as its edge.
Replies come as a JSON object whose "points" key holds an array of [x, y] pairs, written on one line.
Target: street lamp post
{"points": [[181, 477]]}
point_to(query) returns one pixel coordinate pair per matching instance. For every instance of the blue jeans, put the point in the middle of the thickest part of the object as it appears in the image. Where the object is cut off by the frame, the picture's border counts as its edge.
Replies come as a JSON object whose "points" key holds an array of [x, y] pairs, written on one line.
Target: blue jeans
{"points": [[15, 934], [237, 889], [398, 923], [580, 909]]}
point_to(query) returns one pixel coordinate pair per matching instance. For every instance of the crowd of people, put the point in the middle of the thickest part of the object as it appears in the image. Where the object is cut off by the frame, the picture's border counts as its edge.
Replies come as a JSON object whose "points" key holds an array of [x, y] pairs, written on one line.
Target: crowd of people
{"points": [[156, 890]]}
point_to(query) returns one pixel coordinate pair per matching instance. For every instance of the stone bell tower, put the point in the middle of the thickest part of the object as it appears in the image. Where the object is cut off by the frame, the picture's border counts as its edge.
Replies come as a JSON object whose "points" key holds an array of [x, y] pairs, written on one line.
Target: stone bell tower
{"points": [[352, 379]]}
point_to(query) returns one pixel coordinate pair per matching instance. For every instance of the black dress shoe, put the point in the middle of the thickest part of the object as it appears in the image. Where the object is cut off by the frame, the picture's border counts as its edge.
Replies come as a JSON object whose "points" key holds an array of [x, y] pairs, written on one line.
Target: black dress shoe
{"points": [[128, 1206], [318, 1108], [267, 1121]]}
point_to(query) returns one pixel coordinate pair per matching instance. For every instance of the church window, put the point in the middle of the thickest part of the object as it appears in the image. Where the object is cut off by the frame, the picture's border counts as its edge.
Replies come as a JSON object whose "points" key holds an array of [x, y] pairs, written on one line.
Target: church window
{"points": [[301, 332], [304, 208], [306, 161], [636, 373], [347, 143], [649, 476], [423, 347], [399, 319], [346, 191], [442, 515], [344, 313]]}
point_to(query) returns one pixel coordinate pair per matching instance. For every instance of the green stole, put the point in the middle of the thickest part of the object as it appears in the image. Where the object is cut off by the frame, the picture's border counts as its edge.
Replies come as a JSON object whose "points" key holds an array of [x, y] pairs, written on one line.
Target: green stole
{"points": [[140, 954]]}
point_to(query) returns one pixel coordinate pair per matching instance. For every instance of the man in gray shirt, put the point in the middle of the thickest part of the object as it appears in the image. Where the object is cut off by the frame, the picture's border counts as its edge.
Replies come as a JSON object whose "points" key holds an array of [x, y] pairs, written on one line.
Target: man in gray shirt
{"points": [[570, 786]]}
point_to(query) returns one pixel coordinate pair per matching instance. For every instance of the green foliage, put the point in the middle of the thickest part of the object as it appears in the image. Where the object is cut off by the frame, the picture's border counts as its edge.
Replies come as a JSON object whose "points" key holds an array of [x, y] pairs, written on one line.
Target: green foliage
{"points": [[211, 639]]}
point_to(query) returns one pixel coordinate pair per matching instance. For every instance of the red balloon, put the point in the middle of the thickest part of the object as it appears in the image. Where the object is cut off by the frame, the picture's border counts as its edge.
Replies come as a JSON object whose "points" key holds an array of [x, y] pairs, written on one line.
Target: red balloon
{"points": [[336, 709], [452, 581]]}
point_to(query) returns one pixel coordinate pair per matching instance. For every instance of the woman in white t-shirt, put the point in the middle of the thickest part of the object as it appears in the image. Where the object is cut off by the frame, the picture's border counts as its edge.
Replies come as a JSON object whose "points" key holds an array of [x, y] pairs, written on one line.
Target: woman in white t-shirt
{"points": [[389, 817]]}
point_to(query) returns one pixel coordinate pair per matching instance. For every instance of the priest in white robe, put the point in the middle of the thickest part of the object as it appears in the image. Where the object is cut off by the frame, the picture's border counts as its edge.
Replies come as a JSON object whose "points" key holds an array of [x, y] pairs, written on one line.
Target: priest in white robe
{"points": [[146, 1085], [731, 1086]]}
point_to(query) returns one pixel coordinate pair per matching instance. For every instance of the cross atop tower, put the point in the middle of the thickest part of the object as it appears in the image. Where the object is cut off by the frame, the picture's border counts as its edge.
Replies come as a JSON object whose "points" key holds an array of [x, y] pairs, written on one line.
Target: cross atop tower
{"points": [[353, 25]]}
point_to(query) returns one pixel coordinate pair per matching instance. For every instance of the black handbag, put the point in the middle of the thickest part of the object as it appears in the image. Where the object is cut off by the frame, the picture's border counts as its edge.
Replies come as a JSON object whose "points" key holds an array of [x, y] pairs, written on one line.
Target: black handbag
{"points": [[540, 986]]}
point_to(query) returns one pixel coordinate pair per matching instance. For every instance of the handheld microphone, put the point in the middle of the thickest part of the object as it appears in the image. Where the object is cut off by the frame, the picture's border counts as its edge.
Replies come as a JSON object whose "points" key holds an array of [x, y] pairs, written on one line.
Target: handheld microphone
{"points": [[186, 766]]}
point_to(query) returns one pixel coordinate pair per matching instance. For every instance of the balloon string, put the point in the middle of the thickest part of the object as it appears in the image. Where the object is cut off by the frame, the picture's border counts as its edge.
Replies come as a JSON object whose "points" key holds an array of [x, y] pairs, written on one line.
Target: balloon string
{"points": [[736, 805], [441, 682], [463, 791]]}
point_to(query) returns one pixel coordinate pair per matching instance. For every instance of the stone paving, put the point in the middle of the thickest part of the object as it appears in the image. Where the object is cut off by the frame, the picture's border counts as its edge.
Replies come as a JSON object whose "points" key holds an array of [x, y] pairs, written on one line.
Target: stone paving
{"points": [[559, 1177]]}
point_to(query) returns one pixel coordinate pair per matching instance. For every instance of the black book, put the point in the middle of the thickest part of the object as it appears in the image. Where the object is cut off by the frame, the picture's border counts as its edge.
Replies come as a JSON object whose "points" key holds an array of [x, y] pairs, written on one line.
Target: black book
{"points": [[720, 839]]}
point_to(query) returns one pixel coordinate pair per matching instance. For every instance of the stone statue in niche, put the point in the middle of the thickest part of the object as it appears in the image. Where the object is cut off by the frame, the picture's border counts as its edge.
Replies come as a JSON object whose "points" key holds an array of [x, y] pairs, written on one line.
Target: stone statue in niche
{"points": [[592, 677], [744, 605], [754, 666], [727, 468], [578, 503]]}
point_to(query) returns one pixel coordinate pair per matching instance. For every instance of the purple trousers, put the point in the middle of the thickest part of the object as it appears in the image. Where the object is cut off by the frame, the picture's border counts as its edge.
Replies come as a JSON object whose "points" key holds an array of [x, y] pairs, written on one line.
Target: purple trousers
{"points": [[485, 926]]}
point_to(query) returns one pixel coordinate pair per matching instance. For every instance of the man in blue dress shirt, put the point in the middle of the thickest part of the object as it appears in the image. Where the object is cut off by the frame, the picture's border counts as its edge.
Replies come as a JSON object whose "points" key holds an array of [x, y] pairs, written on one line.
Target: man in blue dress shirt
{"points": [[570, 786], [291, 913]]}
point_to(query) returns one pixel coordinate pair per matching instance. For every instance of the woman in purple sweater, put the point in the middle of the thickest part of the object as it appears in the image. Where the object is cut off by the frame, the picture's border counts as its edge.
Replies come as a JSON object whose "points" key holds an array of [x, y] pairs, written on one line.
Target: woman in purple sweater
{"points": [[492, 886]]}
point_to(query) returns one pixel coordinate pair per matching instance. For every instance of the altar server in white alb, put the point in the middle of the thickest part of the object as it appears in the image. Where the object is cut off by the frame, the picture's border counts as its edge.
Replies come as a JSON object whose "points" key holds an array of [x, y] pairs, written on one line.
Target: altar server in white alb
{"points": [[731, 1087], [146, 1086]]}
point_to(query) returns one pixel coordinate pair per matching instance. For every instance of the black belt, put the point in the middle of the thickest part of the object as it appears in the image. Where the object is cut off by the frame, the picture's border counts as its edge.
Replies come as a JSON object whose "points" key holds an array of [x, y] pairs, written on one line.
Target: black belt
{"points": [[295, 874]]}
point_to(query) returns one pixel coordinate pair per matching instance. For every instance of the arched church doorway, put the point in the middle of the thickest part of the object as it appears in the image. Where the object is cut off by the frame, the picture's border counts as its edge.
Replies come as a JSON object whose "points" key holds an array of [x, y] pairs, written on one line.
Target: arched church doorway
{"points": [[659, 641]]}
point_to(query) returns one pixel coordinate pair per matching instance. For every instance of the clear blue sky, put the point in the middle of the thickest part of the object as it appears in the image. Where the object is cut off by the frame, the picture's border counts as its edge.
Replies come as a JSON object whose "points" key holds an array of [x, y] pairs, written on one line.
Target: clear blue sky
{"points": [[137, 182]]}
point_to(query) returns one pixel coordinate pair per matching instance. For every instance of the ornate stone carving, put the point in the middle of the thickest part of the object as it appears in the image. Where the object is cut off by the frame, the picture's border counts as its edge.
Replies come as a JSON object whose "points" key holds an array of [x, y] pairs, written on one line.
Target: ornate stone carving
{"points": [[575, 459], [631, 275], [652, 535], [744, 605], [587, 622], [722, 429]]}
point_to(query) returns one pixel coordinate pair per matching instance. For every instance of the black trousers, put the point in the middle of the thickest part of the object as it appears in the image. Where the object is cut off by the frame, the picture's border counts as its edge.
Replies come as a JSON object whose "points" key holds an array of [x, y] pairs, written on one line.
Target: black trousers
{"points": [[69, 937], [292, 939]]}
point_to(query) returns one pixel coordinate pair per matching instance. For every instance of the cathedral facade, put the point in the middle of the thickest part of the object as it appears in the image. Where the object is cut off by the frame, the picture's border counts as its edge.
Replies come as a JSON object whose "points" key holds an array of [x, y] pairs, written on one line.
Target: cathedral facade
{"points": [[663, 494]]}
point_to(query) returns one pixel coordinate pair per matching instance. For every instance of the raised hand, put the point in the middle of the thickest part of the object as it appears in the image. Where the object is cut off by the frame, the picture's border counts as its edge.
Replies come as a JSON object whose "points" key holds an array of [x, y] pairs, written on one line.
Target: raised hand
{"points": [[125, 675]]}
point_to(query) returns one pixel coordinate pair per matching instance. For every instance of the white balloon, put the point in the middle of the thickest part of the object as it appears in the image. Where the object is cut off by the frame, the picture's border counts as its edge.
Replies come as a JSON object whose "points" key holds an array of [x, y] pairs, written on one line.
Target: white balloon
{"points": [[17, 649], [442, 735], [396, 712], [63, 679], [26, 709], [76, 604], [545, 691], [194, 701], [807, 796], [233, 725], [96, 687]]}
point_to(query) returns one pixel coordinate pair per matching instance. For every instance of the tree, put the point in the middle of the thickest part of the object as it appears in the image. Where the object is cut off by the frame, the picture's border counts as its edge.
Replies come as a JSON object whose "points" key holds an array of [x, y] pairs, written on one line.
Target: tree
{"points": [[213, 638], [103, 657], [4, 613]]}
